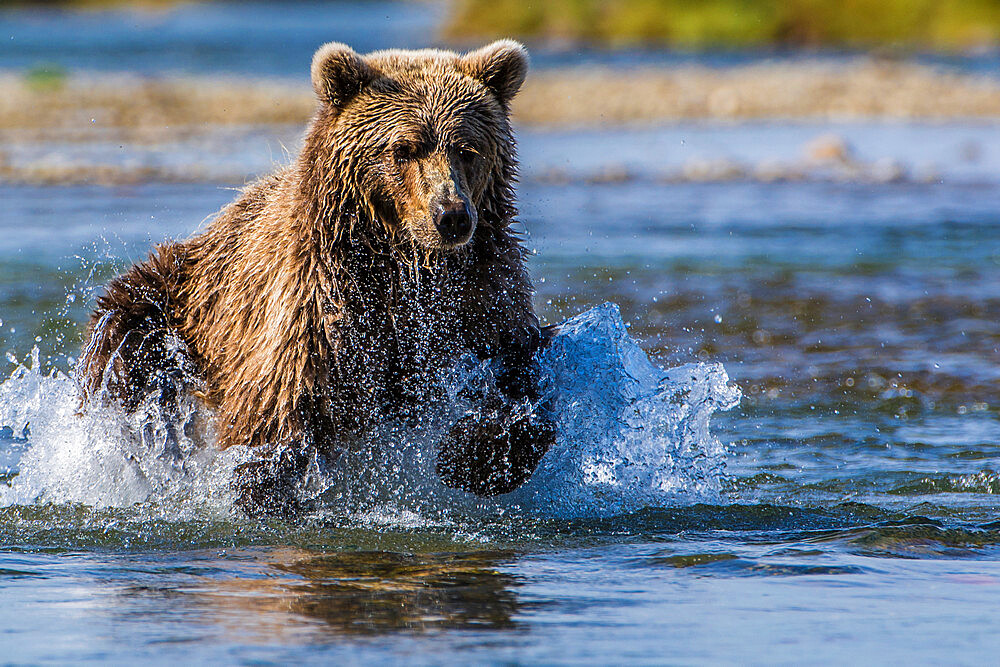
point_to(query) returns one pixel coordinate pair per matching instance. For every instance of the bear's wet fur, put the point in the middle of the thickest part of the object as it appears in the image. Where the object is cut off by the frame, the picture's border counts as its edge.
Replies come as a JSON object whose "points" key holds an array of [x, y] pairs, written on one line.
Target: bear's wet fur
{"points": [[330, 293]]}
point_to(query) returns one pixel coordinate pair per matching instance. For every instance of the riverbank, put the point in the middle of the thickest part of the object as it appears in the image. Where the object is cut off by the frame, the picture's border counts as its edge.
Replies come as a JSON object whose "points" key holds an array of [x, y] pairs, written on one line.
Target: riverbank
{"points": [[138, 107], [128, 128]]}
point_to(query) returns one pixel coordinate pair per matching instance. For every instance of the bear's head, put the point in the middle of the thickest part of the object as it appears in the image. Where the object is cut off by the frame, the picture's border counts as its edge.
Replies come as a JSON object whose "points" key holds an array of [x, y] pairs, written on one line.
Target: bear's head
{"points": [[421, 139]]}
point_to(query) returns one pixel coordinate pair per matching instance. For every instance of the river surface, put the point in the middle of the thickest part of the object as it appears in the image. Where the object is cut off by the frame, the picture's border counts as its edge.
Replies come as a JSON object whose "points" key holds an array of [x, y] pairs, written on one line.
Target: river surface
{"points": [[813, 479]]}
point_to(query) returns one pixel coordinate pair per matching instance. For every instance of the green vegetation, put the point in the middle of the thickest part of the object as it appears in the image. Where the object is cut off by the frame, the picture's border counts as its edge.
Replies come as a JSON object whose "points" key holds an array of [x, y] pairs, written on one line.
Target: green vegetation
{"points": [[44, 78], [916, 24]]}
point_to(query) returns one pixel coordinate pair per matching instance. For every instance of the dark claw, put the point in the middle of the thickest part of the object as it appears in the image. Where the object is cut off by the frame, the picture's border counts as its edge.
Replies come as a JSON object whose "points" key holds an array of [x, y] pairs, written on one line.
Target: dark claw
{"points": [[483, 457], [268, 487]]}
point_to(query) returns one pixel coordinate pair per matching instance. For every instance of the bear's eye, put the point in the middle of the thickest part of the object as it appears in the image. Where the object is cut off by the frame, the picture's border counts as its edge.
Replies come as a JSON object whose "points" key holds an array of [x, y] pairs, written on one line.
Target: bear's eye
{"points": [[467, 155], [404, 152]]}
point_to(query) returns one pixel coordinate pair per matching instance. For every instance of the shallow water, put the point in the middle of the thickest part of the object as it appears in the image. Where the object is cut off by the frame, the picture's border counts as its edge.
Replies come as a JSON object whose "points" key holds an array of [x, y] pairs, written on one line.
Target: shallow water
{"points": [[845, 510]]}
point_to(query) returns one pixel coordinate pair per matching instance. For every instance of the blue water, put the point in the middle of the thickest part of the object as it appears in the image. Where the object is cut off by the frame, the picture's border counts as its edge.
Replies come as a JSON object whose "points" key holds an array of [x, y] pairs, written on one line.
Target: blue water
{"points": [[257, 38], [844, 510]]}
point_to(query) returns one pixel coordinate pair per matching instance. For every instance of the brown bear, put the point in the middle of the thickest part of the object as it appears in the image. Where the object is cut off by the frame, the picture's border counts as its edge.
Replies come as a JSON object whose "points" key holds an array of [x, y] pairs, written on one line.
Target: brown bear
{"points": [[330, 294]]}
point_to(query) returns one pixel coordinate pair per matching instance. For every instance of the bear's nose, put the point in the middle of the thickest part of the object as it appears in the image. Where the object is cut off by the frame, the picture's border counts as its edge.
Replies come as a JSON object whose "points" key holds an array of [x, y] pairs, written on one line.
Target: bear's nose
{"points": [[454, 222]]}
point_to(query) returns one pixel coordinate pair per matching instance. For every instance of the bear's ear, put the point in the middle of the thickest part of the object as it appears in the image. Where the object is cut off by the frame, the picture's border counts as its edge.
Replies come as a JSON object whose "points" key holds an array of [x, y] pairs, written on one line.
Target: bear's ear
{"points": [[500, 66], [338, 73]]}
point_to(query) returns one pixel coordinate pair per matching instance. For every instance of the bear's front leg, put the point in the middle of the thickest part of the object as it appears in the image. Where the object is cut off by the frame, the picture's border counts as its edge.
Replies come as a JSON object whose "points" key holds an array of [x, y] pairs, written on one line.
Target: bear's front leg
{"points": [[134, 347], [496, 449]]}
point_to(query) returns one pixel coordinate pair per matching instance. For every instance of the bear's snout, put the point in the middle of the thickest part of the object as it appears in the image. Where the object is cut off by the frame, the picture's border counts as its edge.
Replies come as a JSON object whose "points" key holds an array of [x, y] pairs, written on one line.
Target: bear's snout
{"points": [[455, 222]]}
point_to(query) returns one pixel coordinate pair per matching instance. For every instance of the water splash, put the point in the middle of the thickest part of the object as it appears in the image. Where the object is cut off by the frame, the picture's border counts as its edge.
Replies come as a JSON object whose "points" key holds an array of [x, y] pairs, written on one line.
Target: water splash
{"points": [[102, 458], [629, 435]]}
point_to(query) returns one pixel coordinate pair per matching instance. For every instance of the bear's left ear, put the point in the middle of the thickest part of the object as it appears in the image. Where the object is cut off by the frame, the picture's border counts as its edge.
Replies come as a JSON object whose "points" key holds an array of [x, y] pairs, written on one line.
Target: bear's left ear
{"points": [[500, 66], [338, 73]]}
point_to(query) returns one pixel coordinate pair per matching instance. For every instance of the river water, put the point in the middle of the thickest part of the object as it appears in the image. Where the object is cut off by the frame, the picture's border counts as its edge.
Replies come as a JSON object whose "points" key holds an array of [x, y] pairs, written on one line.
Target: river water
{"points": [[834, 501]]}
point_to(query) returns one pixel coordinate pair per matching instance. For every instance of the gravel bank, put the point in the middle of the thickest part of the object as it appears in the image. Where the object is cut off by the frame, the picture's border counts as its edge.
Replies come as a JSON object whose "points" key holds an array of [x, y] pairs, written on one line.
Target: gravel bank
{"points": [[137, 107]]}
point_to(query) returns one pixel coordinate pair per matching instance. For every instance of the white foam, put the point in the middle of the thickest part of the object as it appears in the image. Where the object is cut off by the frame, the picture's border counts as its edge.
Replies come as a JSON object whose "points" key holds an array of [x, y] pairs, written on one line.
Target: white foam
{"points": [[98, 457], [629, 435]]}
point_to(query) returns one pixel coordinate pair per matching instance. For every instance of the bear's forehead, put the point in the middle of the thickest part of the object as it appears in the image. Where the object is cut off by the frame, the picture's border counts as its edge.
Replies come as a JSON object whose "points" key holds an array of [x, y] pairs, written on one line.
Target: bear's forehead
{"points": [[429, 97], [429, 74], [399, 61]]}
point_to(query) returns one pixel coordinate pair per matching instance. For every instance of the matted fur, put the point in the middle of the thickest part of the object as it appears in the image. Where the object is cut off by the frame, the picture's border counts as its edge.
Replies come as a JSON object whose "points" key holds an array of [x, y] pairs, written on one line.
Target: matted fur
{"points": [[323, 297]]}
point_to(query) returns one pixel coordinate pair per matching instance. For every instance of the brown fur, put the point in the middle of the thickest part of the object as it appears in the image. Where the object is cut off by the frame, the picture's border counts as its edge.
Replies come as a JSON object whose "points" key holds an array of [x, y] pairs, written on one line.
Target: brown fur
{"points": [[325, 296]]}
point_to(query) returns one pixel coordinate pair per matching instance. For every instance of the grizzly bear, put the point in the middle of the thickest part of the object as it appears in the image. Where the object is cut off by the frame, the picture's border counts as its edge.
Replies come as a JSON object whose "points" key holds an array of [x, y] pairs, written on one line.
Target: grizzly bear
{"points": [[329, 295]]}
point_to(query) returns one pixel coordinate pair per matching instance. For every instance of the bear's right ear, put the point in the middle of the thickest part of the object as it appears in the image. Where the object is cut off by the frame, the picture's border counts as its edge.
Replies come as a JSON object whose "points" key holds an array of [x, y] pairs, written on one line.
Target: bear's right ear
{"points": [[500, 66], [338, 73]]}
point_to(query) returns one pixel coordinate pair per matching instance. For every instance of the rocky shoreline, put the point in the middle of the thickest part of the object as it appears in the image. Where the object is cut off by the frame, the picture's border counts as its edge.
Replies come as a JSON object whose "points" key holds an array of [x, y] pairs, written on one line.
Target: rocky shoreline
{"points": [[856, 90], [145, 116], [864, 88]]}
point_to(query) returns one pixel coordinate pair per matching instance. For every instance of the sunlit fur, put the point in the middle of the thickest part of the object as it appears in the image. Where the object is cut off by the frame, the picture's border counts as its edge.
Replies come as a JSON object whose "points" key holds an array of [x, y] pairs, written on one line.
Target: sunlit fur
{"points": [[323, 297]]}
